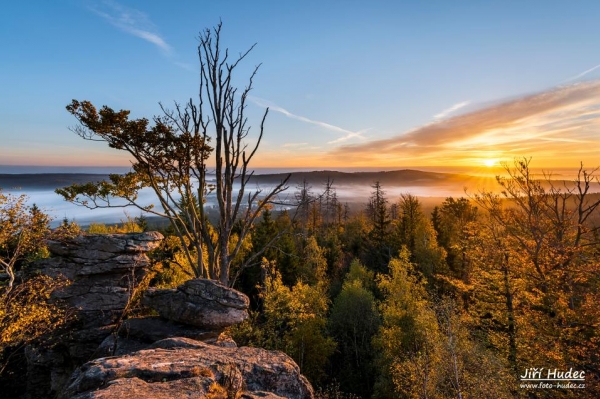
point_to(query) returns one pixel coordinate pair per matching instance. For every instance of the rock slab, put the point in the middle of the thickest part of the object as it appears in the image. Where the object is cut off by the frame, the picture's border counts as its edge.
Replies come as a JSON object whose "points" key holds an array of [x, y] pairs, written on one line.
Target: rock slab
{"points": [[202, 303], [184, 368]]}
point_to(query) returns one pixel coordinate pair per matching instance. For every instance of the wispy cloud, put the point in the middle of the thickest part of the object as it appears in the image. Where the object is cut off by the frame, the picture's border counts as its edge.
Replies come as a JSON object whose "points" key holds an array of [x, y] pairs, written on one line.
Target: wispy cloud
{"points": [[582, 74], [187, 66], [274, 107], [451, 110], [132, 21], [292, 145], [552, 125], [349, 136]]}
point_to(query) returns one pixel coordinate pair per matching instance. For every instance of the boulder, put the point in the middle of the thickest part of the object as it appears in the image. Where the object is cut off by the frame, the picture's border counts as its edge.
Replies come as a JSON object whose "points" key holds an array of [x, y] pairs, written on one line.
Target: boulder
{"points": [[185, 368], [201, 303]]}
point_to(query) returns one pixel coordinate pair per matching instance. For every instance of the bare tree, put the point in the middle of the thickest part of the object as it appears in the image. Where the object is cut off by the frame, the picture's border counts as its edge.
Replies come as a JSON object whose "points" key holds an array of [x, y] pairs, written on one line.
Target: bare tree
{"points": [[174, 159]]}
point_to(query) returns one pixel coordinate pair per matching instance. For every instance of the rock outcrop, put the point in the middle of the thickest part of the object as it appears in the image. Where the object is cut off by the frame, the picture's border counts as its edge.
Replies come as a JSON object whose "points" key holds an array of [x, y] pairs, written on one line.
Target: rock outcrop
{"points": [[103, 269], [178, 354], [185, 368]]}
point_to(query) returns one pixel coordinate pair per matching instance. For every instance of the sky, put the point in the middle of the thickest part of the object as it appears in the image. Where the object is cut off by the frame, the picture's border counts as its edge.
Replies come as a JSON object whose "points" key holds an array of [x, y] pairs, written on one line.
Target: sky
{"points": [[349, 84]]}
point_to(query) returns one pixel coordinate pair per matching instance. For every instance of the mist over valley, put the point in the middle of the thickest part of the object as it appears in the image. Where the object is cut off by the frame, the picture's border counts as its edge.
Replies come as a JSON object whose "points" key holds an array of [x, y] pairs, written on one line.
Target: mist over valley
{"points": [[353, 188]]}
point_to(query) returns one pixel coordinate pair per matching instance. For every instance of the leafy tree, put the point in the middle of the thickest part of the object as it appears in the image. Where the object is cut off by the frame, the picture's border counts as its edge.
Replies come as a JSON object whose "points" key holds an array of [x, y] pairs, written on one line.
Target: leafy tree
{"points": [[360, 273], [549, 244], [173, 267], [66, 230], [128, 225], [426, 350], [468, 369], [22, 230], [353, 322], [455, 222], [25, 314], [408, 339], [294, 321], [495, 291], [173, 156], [313, 269]]}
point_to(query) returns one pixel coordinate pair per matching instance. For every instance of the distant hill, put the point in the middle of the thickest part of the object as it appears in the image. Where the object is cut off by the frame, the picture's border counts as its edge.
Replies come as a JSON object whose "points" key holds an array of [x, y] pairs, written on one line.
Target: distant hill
{"points": [[405, 177], [46, 181]]}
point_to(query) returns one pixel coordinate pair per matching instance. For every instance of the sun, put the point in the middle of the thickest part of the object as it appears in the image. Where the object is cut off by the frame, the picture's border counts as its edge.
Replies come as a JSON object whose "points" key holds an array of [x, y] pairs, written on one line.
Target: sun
{"points": [[490, 162]]}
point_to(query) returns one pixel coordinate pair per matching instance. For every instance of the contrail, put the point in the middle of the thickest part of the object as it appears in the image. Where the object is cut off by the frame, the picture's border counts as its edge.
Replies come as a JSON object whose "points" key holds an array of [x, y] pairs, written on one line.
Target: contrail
{"points": [[276, 108], [582, 74], [450, 110]]}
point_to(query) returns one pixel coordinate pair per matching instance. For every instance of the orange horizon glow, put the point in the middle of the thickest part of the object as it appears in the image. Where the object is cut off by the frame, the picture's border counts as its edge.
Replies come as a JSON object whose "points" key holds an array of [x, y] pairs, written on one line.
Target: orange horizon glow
{"points": [[318, 163], [557, 128]]}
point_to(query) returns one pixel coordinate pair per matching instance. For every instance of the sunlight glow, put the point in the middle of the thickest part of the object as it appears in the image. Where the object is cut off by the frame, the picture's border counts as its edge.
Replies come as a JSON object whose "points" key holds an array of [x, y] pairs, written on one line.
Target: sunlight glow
{"points": [[491, 162]]}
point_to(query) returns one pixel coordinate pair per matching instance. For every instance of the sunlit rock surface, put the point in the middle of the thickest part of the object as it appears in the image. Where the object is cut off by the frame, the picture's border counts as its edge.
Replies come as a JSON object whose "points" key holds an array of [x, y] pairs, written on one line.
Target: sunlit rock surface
{"points": [[184, 368]]}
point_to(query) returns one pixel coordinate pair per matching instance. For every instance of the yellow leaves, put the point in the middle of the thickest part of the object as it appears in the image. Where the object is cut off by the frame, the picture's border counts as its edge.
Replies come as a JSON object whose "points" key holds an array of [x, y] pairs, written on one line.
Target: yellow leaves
{"points": [[457, 285], [295, 321], [313, 268], [298, 304], [128, 225], [22, 231], [25, 314]]}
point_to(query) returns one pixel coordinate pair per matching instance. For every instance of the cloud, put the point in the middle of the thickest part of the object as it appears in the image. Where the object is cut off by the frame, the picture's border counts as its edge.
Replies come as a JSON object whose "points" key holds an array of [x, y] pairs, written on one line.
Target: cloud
{"points": [[450, 110], [292, 145], [350, 135], [131, 21], [273, 107], [187, 66], [555, 123]]}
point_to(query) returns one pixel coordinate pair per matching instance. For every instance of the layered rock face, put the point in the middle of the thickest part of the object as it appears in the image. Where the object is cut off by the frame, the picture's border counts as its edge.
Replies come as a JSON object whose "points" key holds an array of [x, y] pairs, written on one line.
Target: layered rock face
{"points": [[178, 354], [103, 269]]}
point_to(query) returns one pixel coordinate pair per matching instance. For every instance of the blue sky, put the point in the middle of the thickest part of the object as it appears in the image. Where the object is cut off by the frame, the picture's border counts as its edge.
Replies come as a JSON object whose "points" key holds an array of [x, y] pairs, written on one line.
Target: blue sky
{"points": [[349, 83]]}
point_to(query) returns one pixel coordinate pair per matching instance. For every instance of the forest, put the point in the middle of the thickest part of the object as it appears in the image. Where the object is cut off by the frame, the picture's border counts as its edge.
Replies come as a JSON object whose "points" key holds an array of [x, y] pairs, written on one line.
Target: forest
{"points": [[392, 302], [388, 301]]}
